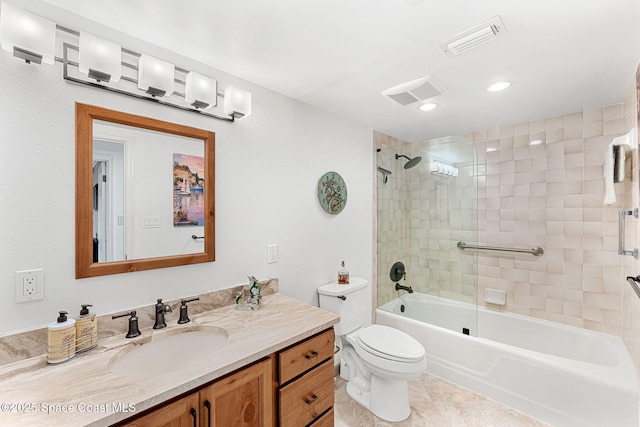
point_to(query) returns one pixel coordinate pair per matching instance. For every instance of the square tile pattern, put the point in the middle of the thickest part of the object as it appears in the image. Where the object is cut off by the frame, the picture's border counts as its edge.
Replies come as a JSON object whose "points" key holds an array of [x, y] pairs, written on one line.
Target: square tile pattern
{"points": [[434, 403], [538, 183]]}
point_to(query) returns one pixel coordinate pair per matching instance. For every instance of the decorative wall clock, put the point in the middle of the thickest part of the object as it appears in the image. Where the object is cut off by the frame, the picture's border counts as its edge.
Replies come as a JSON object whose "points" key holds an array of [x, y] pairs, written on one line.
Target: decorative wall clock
{"points": [[332, 192]]}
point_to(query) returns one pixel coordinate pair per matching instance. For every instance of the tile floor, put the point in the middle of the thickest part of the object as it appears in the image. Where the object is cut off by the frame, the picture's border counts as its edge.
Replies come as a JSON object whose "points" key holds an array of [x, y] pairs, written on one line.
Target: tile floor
{"points": [[434, 403]]}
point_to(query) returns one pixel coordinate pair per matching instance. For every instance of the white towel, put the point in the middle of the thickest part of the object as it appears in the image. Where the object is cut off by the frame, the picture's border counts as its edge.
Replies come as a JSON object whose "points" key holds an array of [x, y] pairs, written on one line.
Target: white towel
{"points": [[614, 160]]}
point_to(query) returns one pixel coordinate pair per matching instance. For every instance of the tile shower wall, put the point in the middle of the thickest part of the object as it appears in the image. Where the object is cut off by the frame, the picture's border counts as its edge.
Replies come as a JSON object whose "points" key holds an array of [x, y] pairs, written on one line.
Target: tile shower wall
{"points": [[539, 184], [391, 219], [422, 216], [631, 199]]}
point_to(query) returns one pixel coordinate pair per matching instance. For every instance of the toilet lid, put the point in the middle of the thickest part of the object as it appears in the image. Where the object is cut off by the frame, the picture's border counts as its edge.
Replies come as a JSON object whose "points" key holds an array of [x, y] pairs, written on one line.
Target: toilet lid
{"points": [[390, 343]]}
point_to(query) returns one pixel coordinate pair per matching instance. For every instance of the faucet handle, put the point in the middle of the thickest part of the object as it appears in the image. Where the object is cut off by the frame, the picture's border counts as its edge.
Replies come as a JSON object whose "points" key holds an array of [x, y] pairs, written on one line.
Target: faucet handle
{"points": [[184, 316], [134, 331], [165, 308]]}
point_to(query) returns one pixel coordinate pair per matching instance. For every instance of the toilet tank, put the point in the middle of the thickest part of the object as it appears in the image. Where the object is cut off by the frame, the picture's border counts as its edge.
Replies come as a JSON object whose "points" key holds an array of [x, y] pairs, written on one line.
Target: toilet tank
{"points": [[351, 302]]}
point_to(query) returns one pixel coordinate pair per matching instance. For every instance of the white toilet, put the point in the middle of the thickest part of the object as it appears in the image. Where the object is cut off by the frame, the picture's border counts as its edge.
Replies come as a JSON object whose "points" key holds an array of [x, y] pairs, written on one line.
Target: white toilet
{"points": [[376, 360]]}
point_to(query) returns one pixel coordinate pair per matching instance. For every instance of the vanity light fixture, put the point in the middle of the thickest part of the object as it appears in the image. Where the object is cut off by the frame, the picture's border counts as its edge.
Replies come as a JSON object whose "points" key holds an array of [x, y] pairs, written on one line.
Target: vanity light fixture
{"points": [[498, 86], [27, 36], [155, 76], [201, 91], [100, 59], [34, 39], [237, 102]]}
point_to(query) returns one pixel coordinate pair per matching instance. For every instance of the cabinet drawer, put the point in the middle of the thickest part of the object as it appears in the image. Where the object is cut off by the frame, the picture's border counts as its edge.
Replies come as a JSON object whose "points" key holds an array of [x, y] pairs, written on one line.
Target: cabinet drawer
{"points": [[324, 421], [304, 356], [305, 399]]}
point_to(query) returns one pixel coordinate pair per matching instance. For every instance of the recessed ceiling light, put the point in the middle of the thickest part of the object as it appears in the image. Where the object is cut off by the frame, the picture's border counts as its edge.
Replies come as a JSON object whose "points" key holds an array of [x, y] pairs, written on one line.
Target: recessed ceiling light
{"points": [[498, 86], [535, 142], [427, 107], [491, 149]]}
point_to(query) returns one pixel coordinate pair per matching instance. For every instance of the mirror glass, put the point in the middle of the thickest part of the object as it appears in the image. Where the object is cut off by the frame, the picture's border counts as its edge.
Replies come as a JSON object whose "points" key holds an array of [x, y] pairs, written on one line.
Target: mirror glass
{"points": [[144, 193]]}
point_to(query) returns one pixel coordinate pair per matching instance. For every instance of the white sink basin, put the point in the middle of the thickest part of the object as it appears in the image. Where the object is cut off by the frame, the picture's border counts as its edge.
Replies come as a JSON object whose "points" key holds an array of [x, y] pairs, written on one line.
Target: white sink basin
{"points": [[160, 354]]}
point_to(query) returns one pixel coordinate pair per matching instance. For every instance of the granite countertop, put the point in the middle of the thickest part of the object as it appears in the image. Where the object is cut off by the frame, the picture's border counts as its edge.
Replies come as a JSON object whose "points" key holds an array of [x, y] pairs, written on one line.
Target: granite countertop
{"points": [[83, 392]]}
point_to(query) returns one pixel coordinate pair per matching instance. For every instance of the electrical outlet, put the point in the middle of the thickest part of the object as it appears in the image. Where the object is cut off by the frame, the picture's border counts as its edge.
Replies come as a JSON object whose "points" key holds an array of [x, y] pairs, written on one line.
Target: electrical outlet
{"points": [[29, 285]]}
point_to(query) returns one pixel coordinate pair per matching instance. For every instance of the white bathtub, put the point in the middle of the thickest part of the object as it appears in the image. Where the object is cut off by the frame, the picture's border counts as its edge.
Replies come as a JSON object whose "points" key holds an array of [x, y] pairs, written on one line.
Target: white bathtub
{"points": [[559, 374]]}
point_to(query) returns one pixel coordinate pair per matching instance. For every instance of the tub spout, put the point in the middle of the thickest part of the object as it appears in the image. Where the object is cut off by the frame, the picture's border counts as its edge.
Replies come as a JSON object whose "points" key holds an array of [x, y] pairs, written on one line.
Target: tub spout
{"points": [[399, 287]]}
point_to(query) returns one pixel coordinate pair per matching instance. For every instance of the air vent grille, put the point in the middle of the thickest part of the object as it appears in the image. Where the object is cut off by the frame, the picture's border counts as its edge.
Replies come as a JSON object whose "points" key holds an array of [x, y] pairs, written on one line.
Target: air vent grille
{"points": [[473, 37], [404, 98], [415, 90]]}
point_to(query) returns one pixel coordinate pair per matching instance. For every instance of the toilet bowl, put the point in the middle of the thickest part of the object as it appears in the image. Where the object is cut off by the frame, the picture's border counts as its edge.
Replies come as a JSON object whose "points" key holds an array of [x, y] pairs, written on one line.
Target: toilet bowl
{"points": [[377, 370], [376, 360]]}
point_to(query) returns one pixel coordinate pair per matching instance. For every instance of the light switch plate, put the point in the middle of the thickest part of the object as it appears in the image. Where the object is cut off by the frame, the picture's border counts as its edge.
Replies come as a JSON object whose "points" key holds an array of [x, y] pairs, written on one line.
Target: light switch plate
{"points": [[272, 254]]}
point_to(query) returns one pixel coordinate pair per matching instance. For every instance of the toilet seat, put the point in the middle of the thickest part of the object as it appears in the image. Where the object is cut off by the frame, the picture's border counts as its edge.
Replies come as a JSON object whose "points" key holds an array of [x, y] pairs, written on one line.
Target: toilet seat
{"points": [[389, 343]]}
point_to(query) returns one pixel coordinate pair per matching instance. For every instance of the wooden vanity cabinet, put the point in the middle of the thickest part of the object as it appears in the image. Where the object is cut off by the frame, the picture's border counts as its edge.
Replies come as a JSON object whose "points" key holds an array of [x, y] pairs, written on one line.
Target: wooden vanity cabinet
{"points": [[295, 383], [243, 398], [180, 413], [305, 379]]}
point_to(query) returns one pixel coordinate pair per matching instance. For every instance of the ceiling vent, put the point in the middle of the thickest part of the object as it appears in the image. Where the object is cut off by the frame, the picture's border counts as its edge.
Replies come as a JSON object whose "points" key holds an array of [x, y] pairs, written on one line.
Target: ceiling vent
{"points": [[415, 90], [473, 37]]}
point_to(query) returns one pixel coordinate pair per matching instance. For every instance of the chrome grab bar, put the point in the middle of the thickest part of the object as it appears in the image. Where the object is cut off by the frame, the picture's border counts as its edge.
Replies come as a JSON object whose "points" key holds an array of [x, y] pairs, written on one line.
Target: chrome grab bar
{"points": [[535, 251], [621, 233]]}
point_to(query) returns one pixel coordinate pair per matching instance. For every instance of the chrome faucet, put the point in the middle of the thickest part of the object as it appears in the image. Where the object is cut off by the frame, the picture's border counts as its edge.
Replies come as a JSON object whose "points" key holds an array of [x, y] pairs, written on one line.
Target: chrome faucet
{"points": [[161, 309], [399, 287]]}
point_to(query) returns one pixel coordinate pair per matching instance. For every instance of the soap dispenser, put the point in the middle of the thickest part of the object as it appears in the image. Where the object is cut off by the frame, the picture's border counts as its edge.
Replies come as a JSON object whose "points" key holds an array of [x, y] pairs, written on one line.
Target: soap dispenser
{"points": [[61, 339], [86, 330]]}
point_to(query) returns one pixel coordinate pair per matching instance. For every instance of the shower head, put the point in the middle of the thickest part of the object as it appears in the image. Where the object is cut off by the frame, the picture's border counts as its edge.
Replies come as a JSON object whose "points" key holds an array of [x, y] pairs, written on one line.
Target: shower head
{"points": [[411, 163]]}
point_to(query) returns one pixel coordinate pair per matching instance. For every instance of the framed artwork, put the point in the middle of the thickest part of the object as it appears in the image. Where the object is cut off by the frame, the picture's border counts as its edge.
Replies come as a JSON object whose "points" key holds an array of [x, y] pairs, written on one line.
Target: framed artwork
{"points": [[332, 193], [188, 190]]}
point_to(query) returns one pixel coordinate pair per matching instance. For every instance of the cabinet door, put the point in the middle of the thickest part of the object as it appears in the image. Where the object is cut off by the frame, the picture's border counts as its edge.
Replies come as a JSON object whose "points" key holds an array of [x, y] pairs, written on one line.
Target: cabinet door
{"points": [[244, 398], [181, 413]]}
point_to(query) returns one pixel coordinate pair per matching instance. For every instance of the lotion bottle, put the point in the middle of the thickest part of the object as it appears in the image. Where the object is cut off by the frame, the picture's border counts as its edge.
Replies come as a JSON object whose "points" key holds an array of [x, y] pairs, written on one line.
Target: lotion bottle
{"points": [[61, 339], [86, 330]]}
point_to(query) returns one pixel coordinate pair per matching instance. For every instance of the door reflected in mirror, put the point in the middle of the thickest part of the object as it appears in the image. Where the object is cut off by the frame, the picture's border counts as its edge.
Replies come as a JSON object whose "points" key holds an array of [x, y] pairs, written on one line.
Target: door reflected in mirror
{"points": [[108, 200], [144, 188]]}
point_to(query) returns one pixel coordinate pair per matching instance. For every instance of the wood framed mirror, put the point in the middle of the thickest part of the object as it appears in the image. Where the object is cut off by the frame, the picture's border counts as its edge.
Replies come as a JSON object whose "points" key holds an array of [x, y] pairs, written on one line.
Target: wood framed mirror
{"points": [[159, 214]]}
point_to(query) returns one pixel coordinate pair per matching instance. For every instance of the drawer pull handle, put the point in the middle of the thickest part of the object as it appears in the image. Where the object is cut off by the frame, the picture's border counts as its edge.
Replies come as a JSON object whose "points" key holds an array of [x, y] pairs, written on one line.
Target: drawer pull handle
{"points": [[311, 355], [311, 399]]}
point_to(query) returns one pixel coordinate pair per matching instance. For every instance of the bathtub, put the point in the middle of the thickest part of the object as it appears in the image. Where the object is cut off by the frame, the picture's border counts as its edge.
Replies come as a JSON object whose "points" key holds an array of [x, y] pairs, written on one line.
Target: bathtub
{"points": [[559, 374]]}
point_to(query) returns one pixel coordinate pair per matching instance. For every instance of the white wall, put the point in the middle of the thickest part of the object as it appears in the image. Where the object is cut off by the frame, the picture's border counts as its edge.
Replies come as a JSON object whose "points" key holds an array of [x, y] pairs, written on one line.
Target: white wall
{"points": [[267, 167]]}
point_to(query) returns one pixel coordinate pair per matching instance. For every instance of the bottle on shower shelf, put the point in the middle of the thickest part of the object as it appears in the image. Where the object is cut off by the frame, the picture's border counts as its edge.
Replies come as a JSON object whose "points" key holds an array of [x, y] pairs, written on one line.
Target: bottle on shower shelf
{"points": [[343, 275]]}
